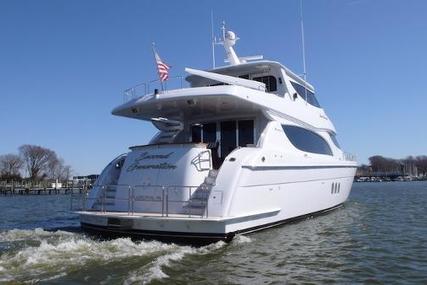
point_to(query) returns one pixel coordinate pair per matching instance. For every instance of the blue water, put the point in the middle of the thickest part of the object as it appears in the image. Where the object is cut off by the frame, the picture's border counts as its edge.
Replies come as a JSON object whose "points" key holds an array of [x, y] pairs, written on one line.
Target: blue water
{"points": [[379, 237]]}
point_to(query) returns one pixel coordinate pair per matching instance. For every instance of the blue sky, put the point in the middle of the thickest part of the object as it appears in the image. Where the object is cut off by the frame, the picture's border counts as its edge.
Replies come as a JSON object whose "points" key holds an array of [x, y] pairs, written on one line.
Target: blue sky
{"points": [[64, 65]]}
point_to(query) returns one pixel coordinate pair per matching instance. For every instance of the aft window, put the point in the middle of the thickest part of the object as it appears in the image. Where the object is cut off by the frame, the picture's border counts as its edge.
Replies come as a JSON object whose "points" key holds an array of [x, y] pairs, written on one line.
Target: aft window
{"points": [[306, 140], [205, 133], [209, 132], [246, 132], [306, 94], [196, 133], [269, 81]]}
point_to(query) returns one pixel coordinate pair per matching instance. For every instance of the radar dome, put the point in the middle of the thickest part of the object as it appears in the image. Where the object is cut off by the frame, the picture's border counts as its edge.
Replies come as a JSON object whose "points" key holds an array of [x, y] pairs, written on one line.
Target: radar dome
{"points": [[230, 35]]}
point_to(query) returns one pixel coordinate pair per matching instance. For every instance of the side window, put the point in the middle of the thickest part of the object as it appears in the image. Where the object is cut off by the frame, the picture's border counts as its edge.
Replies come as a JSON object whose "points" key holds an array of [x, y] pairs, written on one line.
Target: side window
{"points": [[306, 140], [334, 139], [269, 81], [306, 94]]}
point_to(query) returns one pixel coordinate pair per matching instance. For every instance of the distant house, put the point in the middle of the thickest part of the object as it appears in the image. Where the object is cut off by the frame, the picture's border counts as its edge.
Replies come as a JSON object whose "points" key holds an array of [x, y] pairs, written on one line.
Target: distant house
{"points": [[364, 170], [56, 184], [85, 180], [409, 168]]}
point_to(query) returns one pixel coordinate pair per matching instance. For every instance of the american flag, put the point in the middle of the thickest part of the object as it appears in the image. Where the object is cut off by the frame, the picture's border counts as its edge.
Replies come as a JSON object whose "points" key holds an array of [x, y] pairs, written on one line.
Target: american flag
{"points": [[162, 68]]}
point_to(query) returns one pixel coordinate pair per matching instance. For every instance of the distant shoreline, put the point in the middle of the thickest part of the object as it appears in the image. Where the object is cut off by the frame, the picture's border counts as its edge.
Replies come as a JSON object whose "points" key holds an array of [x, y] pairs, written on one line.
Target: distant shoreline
{"points": [[389, 179]]}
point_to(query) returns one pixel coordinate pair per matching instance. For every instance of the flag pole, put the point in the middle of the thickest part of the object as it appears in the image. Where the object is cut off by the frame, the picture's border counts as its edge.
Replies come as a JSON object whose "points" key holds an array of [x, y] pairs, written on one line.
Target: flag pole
{"points": [[155, 62]]}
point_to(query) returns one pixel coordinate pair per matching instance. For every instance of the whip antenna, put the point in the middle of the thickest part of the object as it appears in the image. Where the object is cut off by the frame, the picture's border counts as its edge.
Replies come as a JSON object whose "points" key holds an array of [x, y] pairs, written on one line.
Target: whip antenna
{"points": [[303, 41], [303, 53], [213, 40]]}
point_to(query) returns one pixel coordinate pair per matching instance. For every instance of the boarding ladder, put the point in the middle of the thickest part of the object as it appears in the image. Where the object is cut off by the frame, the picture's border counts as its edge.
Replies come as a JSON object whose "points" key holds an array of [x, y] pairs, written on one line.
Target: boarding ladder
{"points": [[197, 204]]}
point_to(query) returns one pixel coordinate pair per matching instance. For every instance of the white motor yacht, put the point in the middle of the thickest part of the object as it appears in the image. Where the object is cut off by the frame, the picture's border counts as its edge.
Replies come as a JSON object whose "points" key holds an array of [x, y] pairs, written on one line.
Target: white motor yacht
{"points": [[243, 148]]}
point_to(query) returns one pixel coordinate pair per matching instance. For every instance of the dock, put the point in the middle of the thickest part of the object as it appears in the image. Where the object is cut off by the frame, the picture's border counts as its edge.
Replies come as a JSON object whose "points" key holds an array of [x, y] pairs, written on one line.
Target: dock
{"points": [[12, 190]]}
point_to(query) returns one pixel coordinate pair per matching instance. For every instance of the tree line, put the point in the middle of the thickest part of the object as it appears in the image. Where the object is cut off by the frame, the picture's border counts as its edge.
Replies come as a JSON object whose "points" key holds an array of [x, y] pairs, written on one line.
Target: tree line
{"points": [[380, 164], [35, 163]]}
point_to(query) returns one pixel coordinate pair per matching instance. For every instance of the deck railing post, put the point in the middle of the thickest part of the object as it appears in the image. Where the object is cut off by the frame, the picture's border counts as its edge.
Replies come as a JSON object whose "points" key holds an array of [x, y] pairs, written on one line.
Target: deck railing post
{"points": [[163, 201], [133, 200], [71, 202], [189, 198], [207, 204], [167, 202], [129, 197], [83, 207], [103, 199]]}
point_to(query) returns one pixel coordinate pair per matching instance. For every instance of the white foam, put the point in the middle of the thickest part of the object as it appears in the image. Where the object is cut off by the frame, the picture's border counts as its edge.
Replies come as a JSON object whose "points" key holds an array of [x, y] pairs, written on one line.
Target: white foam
{"points": [[62, 274], [56, 253], [59, 252], [239, 239], [153, 270], [36, 234]]}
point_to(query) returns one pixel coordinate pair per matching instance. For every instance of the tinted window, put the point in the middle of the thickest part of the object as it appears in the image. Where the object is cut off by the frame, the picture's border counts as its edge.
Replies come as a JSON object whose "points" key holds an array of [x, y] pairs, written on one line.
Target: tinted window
{"points": [[334, 139], [205, 133], [196, 133], [306, 140], [246, 132], [306, 94], [209, 132], [269, 81], [228, 137]]}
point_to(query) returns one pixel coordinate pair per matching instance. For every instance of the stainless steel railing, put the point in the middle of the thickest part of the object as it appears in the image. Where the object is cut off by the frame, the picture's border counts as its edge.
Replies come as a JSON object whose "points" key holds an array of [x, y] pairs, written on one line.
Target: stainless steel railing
{"points": [[349, 157], [147, 88], [154, 194]]}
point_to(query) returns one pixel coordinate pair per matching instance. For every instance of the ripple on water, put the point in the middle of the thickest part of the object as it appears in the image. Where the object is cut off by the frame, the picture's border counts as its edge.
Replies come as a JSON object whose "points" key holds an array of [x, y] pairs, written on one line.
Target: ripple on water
{"points": [[48, 255], [379, 236]]}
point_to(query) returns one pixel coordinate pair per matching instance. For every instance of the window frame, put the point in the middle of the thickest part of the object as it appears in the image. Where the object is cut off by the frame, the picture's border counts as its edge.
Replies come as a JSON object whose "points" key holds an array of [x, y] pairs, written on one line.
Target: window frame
{"points": [[325, 148], [311, 97], [201, 123], [334, 140], [268, 85]]}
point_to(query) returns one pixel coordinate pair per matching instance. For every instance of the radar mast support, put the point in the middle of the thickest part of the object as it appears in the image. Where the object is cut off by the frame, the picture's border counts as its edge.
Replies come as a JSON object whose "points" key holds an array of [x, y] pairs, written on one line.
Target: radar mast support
{"points": [[229, 40]]}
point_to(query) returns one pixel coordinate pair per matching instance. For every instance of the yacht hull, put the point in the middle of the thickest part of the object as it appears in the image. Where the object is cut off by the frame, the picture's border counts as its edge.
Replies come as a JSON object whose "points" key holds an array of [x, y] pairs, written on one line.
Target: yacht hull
{"points": [[288, 202], [191, 238]]}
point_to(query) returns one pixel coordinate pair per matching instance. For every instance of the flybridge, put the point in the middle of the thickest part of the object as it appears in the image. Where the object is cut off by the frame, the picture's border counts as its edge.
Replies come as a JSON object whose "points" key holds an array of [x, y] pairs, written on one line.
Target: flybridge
{"points": [[228, 87], [229, 39]]}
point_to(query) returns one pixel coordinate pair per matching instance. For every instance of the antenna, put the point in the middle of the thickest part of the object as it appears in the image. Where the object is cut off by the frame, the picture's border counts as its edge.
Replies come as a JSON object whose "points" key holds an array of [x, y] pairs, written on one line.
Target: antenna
{"points": [[223, 31], [303, 51], [303, 41], [213, 40]]}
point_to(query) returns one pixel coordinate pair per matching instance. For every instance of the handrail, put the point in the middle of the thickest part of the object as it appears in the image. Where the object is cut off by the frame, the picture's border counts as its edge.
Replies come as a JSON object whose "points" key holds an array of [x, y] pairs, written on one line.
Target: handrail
{"points": [[198, 160], [349, 157], [101, 202], [143, 89]]}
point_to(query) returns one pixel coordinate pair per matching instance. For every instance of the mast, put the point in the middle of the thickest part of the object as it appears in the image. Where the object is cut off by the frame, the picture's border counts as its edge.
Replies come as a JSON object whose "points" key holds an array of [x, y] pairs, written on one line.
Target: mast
{"points": [[213, 40], [229, 40], [303, 50], [303, 41]]}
